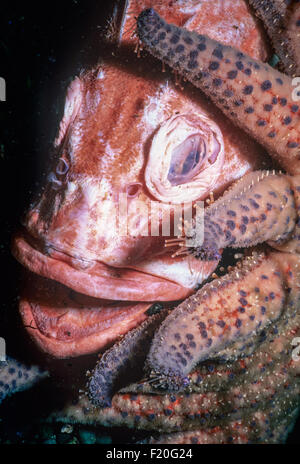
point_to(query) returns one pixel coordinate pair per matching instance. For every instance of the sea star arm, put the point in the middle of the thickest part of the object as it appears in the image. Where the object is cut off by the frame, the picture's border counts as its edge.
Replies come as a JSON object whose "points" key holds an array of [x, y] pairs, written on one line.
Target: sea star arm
{"points": [[280, 20], [122, 362], [232, 308], [260, 207]]}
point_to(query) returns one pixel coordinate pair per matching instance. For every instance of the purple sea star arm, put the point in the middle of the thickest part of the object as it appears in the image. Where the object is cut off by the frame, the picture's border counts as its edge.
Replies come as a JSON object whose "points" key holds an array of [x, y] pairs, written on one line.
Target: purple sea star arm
{"points": [[260, 207], [123, 362]]}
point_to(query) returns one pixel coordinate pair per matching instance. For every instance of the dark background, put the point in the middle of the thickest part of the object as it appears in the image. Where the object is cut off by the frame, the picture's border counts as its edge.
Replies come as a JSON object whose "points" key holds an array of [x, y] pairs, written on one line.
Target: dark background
{"points": [[42, 46]]}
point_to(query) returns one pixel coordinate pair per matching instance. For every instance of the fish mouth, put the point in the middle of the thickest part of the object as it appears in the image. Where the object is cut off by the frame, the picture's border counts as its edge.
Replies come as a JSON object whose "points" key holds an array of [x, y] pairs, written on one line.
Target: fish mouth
{"points": [[71, 311], [94, 278]]}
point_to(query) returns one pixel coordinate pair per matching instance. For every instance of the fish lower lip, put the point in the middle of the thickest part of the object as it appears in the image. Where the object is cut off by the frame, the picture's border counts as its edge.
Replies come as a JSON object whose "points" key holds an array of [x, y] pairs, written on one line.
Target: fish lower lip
{"points": [[66, 324]]}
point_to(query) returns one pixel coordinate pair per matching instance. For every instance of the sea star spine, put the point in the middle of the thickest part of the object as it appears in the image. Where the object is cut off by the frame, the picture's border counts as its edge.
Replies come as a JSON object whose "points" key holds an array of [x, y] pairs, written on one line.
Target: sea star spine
{"points": [[252, 94]]}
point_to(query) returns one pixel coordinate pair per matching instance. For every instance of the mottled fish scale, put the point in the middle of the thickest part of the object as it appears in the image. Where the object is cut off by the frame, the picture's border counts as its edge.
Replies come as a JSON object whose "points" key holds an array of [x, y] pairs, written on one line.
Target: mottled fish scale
{"points": [[251, 93]]}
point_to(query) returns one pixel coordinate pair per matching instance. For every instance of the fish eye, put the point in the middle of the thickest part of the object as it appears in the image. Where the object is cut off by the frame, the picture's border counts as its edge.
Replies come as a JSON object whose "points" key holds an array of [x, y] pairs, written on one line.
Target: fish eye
{"points": [[133, 189], [62, 167], [186, 158]]}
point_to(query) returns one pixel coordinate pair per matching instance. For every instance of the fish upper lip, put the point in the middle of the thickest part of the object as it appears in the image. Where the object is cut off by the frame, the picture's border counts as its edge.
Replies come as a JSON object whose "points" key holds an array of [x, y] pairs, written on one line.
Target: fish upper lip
{"points": [[42, 246], [98, 280]]}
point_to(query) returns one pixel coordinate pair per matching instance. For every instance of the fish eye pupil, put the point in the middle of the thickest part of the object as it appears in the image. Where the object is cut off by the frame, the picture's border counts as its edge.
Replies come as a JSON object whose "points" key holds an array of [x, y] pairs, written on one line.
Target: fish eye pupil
{"points": [[133, 189], [185, 158], [190, 162]]}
